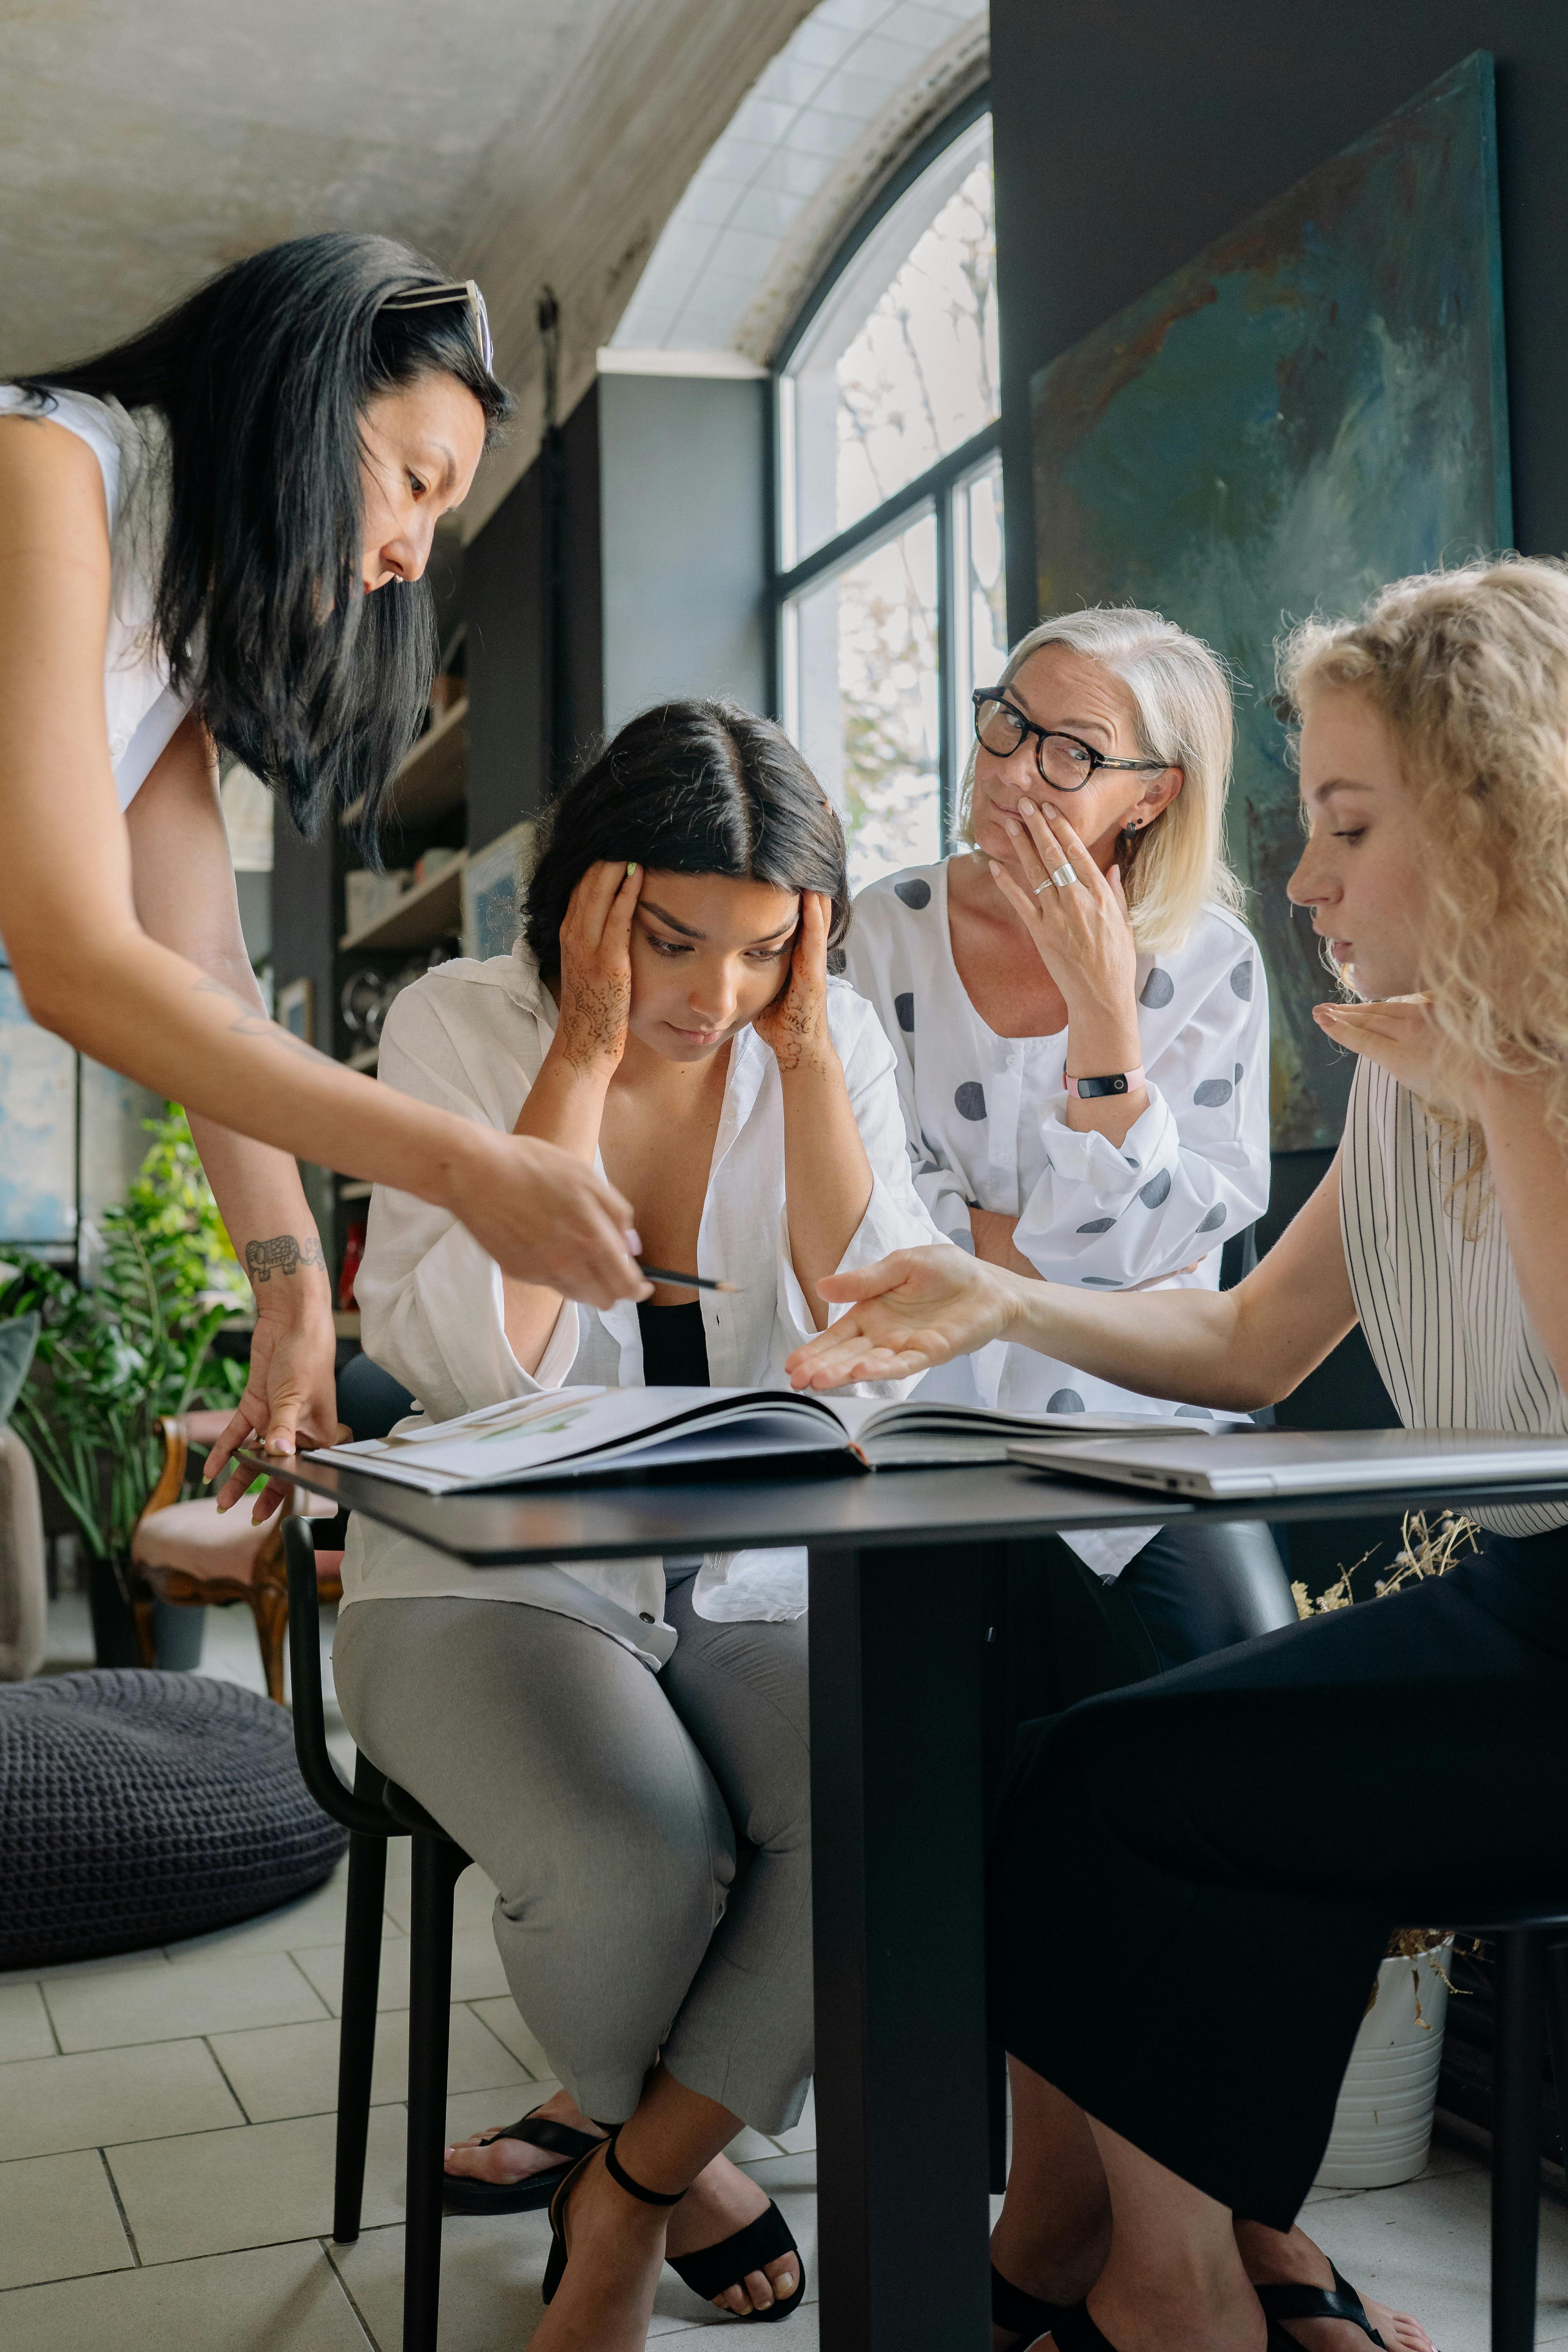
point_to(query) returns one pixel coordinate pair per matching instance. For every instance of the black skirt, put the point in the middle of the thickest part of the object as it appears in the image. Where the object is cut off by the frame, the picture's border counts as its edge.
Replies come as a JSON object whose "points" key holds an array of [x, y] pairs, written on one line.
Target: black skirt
{"points": [[1193, 1879]]}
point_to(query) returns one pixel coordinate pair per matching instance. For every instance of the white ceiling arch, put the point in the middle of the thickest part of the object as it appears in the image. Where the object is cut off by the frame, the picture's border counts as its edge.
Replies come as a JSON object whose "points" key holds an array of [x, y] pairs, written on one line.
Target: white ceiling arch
{"points": [[855, 88], [143, 143]]}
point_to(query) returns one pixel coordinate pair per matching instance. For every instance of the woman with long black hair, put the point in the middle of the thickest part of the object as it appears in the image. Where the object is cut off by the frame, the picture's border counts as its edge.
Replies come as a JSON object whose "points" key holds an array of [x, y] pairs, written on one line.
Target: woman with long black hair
{"points": [[213, 536]]}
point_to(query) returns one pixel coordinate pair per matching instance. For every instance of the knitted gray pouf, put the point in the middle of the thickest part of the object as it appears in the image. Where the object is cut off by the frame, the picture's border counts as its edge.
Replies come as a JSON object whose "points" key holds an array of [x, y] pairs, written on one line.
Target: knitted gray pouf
{"points": [[136, 1808]]}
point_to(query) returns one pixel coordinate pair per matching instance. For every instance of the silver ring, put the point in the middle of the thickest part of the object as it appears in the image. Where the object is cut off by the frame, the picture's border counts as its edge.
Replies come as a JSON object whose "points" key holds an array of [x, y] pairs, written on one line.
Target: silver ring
{"points": [[1062, 876]]}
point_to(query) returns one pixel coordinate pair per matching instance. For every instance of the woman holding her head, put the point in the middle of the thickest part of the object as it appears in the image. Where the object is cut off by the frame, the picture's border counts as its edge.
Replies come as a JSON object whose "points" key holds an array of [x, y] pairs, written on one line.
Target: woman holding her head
{"points": [[213, 538], [623, 1745], [1434, 764], [1081, 1026]]}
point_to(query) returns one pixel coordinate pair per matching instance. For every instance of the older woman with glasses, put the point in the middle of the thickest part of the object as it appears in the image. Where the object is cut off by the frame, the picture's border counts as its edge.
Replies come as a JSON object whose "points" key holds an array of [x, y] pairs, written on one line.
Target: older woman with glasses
{"points": [[1081, 1026]]}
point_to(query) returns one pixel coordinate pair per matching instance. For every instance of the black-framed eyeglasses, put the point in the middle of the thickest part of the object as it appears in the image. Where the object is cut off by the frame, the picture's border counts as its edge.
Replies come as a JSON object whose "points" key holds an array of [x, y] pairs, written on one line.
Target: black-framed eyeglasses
{"points": [[1065, 761], [457, 289]]}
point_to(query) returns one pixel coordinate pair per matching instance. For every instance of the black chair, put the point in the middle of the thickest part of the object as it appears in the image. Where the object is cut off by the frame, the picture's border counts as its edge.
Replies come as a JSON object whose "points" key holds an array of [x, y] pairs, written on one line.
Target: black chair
{"points": [[1532, 2010], [373, 1811]]}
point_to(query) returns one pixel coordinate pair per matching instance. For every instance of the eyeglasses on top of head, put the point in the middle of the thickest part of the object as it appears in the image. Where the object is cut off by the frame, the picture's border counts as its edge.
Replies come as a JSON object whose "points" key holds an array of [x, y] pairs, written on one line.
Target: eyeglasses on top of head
{"points": [[1065, 761], [456, 290]]}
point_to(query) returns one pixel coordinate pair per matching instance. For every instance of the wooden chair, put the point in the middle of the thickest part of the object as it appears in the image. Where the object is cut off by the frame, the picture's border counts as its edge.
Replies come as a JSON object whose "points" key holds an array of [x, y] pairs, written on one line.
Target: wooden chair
{"points": [[188, 1553]]}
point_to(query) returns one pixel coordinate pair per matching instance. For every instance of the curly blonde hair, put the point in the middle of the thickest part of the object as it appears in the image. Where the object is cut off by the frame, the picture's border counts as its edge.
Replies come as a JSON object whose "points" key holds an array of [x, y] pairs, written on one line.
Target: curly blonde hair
{"points": [[1182, 696], [1470, 669]]}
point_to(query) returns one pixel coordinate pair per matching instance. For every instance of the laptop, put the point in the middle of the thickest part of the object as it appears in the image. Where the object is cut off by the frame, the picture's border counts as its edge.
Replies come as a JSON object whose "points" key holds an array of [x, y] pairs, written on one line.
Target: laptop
{"points": [[1231, 1464]]}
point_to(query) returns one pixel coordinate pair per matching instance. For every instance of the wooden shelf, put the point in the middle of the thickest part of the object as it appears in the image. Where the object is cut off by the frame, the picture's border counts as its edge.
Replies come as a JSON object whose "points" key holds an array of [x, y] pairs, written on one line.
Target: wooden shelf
{"points": [[364, 1057], [355, 1191], [430, 912], [433, 778]]}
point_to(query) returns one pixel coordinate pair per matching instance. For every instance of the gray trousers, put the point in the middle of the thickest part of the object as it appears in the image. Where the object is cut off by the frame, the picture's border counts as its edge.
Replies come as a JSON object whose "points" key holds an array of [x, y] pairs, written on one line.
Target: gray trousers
{"points": [[650, 1835]]}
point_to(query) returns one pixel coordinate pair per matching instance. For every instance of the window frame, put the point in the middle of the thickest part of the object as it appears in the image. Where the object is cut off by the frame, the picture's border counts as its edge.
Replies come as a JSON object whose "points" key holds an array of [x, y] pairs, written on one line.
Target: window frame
{"points": [[938, 487]]}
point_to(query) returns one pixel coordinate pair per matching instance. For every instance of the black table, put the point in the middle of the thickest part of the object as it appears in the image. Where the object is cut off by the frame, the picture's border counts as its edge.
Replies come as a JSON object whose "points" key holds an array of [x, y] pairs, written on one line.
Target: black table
{"points": [[899, 1580]]}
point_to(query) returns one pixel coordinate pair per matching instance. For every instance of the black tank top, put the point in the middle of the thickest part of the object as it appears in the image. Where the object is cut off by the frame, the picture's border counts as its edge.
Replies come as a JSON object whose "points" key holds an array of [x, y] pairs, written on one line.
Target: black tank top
{"points": [[674, 1346]]}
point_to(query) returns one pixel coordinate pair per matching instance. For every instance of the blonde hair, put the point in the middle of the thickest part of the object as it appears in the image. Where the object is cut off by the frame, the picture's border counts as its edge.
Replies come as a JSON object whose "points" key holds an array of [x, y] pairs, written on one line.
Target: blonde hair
{"points": [[1182, 697], [1470, 669]]}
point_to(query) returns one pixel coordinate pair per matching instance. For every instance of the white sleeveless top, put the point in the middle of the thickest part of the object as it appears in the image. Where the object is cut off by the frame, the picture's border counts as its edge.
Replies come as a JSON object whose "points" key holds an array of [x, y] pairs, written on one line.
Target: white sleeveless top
{"points": [[1443, 1313], [141, 709]]}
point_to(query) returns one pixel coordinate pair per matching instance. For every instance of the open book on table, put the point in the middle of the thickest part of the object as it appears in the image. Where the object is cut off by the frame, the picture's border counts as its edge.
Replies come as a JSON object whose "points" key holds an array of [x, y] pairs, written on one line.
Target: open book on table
{"points": [[576, 1432]]}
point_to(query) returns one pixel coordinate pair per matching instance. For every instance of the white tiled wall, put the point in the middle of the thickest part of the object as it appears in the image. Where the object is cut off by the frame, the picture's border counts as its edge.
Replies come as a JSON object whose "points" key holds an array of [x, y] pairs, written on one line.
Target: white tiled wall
{"points": [[833, 77]]}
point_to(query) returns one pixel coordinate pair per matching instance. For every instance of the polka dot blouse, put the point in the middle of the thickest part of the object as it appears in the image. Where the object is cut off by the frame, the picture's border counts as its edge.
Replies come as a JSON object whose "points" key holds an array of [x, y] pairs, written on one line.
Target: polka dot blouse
{"points": [[985, 1119]]}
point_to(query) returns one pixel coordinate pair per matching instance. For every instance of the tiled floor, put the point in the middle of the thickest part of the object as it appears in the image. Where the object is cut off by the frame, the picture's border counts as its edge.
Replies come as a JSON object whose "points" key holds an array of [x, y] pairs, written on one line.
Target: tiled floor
{"points": [[166, 2149]]}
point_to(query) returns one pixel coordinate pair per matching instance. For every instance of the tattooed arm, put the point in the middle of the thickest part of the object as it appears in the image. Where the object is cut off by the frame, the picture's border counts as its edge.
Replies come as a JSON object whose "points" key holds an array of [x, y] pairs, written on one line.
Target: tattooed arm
{"points": [[123, 942], [185, 897]]}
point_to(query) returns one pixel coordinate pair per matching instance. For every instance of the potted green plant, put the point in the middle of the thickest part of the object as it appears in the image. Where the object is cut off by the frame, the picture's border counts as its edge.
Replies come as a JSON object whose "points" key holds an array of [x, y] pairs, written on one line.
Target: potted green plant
{"points": [[118, 1352]]}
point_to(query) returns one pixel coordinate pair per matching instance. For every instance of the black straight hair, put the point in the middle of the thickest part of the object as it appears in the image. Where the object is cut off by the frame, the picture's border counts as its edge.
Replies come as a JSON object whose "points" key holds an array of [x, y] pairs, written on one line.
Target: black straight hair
{"points": [[263, 375], [691, 788]]}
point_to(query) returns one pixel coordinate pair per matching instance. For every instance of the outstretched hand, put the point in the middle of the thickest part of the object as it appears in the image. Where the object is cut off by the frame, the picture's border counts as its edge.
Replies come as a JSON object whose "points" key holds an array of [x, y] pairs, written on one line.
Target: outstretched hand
{"points": [[290, 1405], [910, 1311], [794, 1025], [1398, 1033]]}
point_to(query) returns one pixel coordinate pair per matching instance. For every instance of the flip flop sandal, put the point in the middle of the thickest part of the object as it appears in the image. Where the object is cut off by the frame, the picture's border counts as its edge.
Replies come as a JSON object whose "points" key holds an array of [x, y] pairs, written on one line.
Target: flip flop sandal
{"points": [[710, 2269], [463, 2194], [1026, 2315], [1073, 2330], [1296, 2302]]}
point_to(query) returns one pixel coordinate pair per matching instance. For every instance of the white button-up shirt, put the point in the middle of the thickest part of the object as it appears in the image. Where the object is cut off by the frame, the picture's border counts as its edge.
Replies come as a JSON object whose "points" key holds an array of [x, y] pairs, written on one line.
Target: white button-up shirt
{"points": [[470, 1038], [986, 1122]]}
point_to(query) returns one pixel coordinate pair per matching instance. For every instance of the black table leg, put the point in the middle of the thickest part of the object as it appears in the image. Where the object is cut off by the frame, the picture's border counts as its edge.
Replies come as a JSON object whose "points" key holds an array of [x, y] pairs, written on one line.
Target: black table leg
{"points": [[897, 1651], [1517, 2054]]}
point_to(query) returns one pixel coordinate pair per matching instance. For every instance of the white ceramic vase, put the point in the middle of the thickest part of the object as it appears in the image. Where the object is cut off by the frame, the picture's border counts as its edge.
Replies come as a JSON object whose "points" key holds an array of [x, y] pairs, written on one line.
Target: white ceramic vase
{"points": [[1382, 2123]]}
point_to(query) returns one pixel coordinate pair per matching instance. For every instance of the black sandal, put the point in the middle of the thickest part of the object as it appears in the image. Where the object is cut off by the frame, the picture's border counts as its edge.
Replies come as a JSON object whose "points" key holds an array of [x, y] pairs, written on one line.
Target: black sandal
{"points": [[1073, 2330], [462, 2194], [555, 2268], [1026, 2315], [1292, 2301], [710, 2269]]}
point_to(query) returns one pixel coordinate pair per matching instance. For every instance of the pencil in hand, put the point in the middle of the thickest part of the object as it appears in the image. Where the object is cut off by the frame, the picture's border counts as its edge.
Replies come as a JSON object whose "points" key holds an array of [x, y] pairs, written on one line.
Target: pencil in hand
{"points": [[685, 1281]]}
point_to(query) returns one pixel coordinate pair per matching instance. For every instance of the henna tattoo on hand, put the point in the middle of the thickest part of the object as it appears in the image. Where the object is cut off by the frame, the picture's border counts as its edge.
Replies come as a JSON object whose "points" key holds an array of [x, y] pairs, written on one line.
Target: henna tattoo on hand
{"points": [[593, 1016], [282, 1254]]}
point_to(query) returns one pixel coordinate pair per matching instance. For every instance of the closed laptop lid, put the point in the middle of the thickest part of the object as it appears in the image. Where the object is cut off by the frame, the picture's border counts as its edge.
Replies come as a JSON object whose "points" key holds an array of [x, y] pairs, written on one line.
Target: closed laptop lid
{"points": [[1233, 1463]]}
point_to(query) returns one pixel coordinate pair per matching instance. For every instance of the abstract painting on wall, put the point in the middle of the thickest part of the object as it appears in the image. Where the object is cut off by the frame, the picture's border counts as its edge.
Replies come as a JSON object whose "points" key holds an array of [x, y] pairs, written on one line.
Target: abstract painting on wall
{"points": [[1314, 405]]}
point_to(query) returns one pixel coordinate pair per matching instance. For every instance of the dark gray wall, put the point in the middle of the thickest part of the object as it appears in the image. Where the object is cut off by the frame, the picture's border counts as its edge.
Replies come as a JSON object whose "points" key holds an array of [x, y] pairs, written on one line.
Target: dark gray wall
{"points": [[305, 918], [503, 595], [683, 490], [510, 649], [1128, 136]]}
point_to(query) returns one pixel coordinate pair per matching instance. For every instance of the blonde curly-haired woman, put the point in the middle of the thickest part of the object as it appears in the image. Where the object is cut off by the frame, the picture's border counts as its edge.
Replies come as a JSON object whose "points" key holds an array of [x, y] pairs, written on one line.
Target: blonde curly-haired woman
{"points": [[1199, 1820]]}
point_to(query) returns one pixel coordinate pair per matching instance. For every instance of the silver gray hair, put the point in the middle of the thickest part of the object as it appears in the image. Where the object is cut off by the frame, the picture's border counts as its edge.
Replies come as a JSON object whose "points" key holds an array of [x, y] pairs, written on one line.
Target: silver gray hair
{"points": [[1182, 696]]}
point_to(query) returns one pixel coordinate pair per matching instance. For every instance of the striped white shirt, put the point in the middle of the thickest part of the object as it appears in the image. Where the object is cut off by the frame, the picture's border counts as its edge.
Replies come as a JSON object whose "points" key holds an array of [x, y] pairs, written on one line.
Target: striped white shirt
{"points": [[1442, 1310]]}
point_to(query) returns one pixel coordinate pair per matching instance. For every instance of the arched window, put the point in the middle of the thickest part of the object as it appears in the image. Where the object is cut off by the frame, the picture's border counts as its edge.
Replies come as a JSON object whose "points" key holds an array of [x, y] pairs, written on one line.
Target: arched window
{"points": [[890, 588]]}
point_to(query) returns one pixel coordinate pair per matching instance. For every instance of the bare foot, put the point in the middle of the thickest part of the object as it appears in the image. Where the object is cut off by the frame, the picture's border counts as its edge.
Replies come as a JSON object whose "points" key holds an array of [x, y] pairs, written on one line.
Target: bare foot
{"points": [[508, 2161], [721, 2200], [1142, 2316], [1274, 2258], [615, 2245]]}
